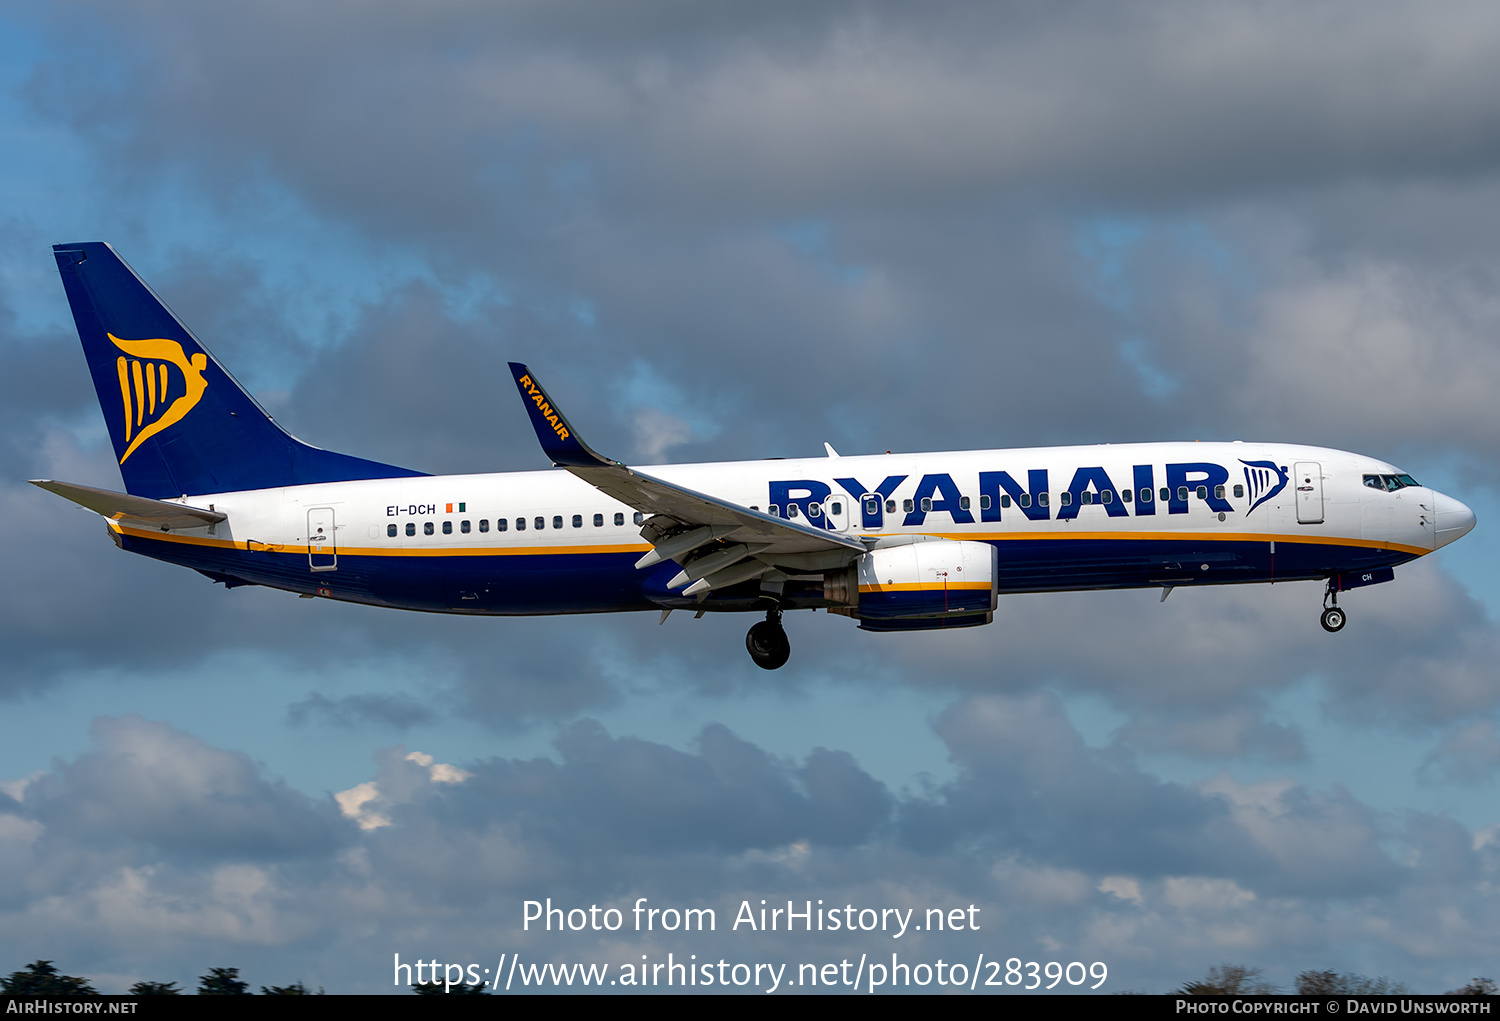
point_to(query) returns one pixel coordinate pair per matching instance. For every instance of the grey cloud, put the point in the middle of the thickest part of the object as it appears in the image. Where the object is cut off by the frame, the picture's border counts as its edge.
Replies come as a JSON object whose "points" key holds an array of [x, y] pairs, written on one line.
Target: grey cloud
{"points": [[209, 857], [411, 386], [991, 278], [1242, 733], [1029, 784], [399, 711], [806, 105], [972, 226], [1274, 326], [154, 786], [1468, 754], [1419, 656], [641, 797]]}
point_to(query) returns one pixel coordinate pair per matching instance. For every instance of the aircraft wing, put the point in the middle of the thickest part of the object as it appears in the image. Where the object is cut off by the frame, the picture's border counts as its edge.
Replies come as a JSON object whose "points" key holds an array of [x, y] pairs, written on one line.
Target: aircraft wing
{"points": [[118, 506], [684, 520]]}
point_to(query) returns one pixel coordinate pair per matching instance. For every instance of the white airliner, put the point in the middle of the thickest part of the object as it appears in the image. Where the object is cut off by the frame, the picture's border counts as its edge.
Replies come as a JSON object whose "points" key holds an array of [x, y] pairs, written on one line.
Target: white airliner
{"points": [[898, 542]]}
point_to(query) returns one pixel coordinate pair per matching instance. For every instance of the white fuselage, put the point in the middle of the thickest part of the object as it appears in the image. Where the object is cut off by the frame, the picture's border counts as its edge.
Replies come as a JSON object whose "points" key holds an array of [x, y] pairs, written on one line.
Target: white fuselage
{"points": [[1107, 516]]}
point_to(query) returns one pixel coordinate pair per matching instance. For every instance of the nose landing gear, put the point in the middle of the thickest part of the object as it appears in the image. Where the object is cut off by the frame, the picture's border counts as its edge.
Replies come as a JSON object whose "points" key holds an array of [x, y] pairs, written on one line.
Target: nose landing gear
{"points": [[767, 642], [1333, 618]]}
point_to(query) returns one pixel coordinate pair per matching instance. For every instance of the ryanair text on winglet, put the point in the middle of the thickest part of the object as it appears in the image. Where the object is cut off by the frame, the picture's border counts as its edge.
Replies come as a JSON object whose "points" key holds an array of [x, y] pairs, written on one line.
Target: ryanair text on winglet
{"points": [[540, 400]]}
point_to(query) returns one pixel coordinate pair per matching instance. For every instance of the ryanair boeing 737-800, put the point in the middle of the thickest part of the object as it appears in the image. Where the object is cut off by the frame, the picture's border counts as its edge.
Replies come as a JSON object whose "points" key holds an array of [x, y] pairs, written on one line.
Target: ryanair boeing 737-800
{"points": [[897, 542]]}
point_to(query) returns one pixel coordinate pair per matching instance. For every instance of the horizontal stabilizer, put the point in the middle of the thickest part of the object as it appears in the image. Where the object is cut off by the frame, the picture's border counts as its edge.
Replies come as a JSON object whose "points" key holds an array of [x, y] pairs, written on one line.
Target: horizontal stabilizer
{"points": [[117, 506]]}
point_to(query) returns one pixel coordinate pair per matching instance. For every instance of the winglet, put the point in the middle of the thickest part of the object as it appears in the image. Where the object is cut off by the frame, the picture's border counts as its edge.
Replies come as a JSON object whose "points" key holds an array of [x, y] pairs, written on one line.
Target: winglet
{"points": [[560, 441]]}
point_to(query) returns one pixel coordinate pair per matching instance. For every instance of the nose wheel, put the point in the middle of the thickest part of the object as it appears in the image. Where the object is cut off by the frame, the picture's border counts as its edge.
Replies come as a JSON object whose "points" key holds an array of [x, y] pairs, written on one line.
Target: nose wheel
{"points": [[767, 642], [1333, 618]]}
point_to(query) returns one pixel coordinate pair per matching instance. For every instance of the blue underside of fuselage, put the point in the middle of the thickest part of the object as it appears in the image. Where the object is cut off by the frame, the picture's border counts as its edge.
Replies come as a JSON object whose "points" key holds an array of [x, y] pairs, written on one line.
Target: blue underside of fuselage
{"points": [[608, 582]]}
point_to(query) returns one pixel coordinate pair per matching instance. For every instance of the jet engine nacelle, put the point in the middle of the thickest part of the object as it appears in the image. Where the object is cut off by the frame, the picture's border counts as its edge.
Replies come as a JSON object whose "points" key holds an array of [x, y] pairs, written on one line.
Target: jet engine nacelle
{"points": [[933, 584]]}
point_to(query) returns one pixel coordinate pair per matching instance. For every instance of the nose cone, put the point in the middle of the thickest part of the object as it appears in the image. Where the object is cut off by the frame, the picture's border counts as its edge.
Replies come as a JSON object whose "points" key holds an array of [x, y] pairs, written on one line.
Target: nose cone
{"points": [[1454, 519]]}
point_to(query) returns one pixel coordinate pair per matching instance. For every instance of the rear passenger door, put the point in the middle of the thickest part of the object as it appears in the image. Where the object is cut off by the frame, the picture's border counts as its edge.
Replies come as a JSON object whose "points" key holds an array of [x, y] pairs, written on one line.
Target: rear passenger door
{"points": [[322, 550]]}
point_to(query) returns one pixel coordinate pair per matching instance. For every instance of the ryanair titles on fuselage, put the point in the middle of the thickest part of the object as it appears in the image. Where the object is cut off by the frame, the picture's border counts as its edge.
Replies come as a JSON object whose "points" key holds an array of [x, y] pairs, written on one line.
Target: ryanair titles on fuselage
{"points": [[1000, 491]]}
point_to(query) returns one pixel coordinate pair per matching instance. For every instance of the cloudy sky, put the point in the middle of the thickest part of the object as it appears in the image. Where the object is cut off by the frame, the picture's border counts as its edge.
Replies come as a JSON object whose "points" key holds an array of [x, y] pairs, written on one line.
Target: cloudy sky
{"points": [[737, 231]]}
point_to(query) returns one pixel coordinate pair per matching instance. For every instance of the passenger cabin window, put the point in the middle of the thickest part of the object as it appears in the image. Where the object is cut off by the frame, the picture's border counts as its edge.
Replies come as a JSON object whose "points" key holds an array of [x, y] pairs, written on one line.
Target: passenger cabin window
{"points": [[577, 520], [639, 517], [1065, 499], [411, 528], [1218, 492], [1084, 497], [1107, 496], [963, 503], [984, 502], [1182, 494], [598, 520], [427, 528], [906, 506], [619, 519], [1145, 495], [520, 524], [872, 506], [447, 528], [1203, 492], [926, 504], [791, 510], [890, 506], [1166, 494], [774, 510], [1025, 500], [1239, 491], [1042, 499], [539, 523], [463, 526], [1005, 500], [484, 524], [838, 508], [390, 530]]}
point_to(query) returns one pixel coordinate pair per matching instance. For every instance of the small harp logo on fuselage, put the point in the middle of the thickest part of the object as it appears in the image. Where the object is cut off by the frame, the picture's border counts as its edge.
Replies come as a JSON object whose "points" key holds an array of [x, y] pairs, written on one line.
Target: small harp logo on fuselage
{"points": [[1265, 479], [155, 397]]}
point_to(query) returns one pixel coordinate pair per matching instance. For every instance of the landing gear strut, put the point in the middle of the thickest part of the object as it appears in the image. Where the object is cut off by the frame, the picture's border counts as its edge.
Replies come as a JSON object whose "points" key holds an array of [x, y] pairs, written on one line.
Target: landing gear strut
{"points": [[767, 642], [1333, 618]]}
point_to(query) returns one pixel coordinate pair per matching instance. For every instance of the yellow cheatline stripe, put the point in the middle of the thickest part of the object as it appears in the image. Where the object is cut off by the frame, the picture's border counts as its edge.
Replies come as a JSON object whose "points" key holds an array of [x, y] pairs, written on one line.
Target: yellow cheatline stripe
{"points": [[1310, 540], [488, 551], [364, 551], [922, 586], [634, 547]]}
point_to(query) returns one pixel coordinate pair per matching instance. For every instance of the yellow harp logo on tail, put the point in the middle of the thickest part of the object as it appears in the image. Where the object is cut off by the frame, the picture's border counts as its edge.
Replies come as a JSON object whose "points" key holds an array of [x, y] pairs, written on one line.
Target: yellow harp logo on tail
{"points": [[146, 383]]}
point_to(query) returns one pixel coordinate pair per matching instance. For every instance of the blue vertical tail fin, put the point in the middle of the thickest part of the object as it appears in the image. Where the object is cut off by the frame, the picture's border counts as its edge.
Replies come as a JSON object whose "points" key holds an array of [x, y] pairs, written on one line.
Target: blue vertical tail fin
{"points": [[180, 423]]}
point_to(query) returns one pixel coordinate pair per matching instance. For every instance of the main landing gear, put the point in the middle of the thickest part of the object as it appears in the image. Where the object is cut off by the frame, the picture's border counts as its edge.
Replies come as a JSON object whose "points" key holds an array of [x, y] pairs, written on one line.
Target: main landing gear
{"points": [[767, 642], [1333, 618]]}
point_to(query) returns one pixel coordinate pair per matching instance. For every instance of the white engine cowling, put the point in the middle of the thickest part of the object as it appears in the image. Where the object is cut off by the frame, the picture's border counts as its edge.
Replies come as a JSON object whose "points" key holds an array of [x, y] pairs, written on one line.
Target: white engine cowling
{"points": [[937, 579]]}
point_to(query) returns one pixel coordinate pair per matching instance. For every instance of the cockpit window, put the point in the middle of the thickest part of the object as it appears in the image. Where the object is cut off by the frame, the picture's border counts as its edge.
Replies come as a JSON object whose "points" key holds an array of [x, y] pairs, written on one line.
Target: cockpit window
{"points": [[1390, 483]]}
